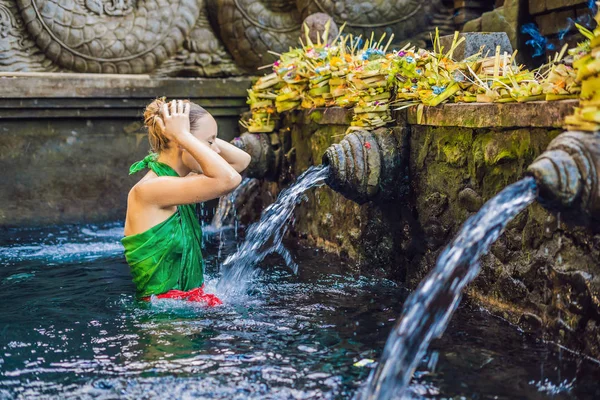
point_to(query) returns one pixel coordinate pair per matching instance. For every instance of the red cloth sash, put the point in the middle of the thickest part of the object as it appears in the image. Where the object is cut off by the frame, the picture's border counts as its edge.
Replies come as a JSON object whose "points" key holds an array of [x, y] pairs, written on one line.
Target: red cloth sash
{"points": [[194, 295]]}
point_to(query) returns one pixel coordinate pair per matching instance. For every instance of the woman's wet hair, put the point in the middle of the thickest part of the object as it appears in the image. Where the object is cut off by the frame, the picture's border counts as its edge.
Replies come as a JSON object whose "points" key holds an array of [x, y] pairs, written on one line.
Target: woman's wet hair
{"points": [[156, 136]]}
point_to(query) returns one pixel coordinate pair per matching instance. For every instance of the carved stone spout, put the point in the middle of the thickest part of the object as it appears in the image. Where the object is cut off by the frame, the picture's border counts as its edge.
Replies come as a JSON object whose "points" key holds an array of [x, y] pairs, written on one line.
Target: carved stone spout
{"points": [[568, 174], [265, 152], [366, 166]]}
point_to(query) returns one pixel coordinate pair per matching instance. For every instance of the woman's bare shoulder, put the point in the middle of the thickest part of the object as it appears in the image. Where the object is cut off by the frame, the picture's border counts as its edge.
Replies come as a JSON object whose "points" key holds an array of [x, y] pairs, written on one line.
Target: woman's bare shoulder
{"points": [[138, 187]]}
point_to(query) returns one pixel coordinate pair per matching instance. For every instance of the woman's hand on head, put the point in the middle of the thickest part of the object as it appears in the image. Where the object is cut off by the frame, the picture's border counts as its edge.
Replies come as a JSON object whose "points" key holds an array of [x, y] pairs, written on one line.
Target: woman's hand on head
{"points": [[175, 120]]}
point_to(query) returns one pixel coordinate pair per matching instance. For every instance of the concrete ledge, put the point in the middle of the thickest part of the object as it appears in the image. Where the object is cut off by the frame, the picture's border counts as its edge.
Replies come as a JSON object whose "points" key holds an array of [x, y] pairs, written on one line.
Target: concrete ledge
{"points": [[538, 114], [535, 114], [49, 85], [331, 115], [113, 96]]}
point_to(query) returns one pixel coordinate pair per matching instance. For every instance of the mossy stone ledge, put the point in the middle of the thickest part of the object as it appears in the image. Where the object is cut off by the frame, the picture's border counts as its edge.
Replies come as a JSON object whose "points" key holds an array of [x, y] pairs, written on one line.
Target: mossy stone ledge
{"points": [[543, 273]]}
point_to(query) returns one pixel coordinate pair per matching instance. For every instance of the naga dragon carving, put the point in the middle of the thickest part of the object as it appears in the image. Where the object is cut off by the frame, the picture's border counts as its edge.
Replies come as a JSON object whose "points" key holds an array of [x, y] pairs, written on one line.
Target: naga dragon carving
{"points": [[250, 28], [212, 38]]}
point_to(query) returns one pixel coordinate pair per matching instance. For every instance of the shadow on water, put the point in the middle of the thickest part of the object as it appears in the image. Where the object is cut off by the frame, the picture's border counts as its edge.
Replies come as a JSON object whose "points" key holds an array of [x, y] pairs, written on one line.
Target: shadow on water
{"points": [[70, 328]]}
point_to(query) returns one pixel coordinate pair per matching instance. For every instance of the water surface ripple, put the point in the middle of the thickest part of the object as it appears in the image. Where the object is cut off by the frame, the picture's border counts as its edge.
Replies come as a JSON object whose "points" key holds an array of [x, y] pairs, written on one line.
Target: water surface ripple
{"points": [[70, 328]]}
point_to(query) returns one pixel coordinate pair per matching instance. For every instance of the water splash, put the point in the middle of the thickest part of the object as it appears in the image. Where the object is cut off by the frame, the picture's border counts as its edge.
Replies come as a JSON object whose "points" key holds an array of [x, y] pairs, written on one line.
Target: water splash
{"points": [[226, 210], [67, 244], [427, 311], [553, 389], [265, 236]]}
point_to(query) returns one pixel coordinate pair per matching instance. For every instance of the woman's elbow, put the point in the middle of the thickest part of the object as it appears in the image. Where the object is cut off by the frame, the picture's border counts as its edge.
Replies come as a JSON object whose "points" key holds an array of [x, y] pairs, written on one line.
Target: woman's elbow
{"points": [[245, 161], [232, 181]]}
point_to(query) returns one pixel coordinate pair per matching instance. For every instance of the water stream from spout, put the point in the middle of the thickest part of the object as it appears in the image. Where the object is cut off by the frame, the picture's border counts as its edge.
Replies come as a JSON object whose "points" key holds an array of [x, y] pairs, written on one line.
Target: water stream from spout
{"points": [[265, 236], [225, 214], [427, 311]]}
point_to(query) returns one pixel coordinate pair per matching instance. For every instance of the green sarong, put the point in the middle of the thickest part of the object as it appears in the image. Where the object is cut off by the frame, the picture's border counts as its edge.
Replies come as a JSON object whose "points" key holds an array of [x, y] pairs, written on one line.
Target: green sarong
{"points": [[168, 255]]}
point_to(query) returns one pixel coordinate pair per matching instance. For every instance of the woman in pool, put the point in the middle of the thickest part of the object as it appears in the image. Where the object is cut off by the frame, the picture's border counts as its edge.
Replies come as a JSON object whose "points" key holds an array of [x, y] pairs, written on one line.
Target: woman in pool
{"points": [[189, 165]]}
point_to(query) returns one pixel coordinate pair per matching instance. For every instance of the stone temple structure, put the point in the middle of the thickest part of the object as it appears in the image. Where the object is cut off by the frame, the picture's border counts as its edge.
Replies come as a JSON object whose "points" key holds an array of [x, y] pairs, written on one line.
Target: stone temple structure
{"points": [[202, 38], [76, 74]]}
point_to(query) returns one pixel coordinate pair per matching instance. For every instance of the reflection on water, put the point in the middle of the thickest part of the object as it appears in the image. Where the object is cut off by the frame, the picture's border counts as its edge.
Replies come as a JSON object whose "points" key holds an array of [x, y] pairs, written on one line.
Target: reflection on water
{"points": [[70, 328]]}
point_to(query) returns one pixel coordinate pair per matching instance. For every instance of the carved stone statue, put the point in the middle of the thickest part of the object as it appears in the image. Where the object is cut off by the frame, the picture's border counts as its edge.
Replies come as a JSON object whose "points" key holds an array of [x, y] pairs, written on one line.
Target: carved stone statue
{"points": [[249, 28], [188, 37]]}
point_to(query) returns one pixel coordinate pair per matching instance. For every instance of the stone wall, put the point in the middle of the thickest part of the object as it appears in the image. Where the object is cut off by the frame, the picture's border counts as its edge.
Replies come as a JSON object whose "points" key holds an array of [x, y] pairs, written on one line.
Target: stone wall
{"points": [[542, 274], [68, 140], [555, 19]]}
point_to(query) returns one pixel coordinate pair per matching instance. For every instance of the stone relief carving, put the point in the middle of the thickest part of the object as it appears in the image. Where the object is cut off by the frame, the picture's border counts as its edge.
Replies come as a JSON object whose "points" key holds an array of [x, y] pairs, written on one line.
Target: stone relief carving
{"points": [[6, 21], [409, 20], [249, 28], [207, 38], [18, 51], [110, 7], [202, 54], [84, 41]]}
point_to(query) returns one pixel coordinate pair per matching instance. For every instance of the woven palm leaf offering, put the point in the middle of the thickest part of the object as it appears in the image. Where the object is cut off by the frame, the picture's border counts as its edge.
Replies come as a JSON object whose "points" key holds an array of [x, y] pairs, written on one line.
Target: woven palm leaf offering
{"points": [[293, 74], [439, 72], [429, 77], [341, 64], [407, 68], [463, 74], [343, 92], [338, 85], [499, 79], [317, 63], [371, 81], [558, 78], [586, 117], [261, 98]]}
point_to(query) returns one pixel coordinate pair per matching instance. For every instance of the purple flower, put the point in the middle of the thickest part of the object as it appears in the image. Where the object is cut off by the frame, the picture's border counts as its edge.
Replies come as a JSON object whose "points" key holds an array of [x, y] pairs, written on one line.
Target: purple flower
{"points": [[401, 53]]}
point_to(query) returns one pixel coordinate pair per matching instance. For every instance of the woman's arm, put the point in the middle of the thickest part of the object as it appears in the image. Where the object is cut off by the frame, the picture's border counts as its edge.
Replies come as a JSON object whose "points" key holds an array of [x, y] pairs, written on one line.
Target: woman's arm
{"points": [[218, 176], [235, 156]]}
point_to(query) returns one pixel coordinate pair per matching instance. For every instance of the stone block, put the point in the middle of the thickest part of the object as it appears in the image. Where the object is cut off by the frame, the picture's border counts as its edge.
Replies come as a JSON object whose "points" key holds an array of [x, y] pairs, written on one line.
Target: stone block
{"points": [[554, 22], [473, 25], [556, 4], [474, 41], [331, 116], [541, 114], [512, 8], [495, 21], [537, 6], [582, 12], [464, 15], [482, 4]]}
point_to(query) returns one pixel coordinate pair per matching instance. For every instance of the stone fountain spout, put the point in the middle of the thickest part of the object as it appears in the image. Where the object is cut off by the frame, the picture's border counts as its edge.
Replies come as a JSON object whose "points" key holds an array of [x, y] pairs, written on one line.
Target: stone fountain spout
{"points": [[368, 166], [568, 175], [266, 154]]}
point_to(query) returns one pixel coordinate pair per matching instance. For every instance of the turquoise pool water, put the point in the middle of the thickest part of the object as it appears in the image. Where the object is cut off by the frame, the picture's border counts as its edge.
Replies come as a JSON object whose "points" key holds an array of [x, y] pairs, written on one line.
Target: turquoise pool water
{"points": [[70, 328]]}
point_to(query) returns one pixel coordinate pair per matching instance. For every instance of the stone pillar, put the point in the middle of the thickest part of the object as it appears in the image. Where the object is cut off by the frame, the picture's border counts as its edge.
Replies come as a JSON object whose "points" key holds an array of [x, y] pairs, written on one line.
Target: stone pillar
{"points": [[467, 10]]}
